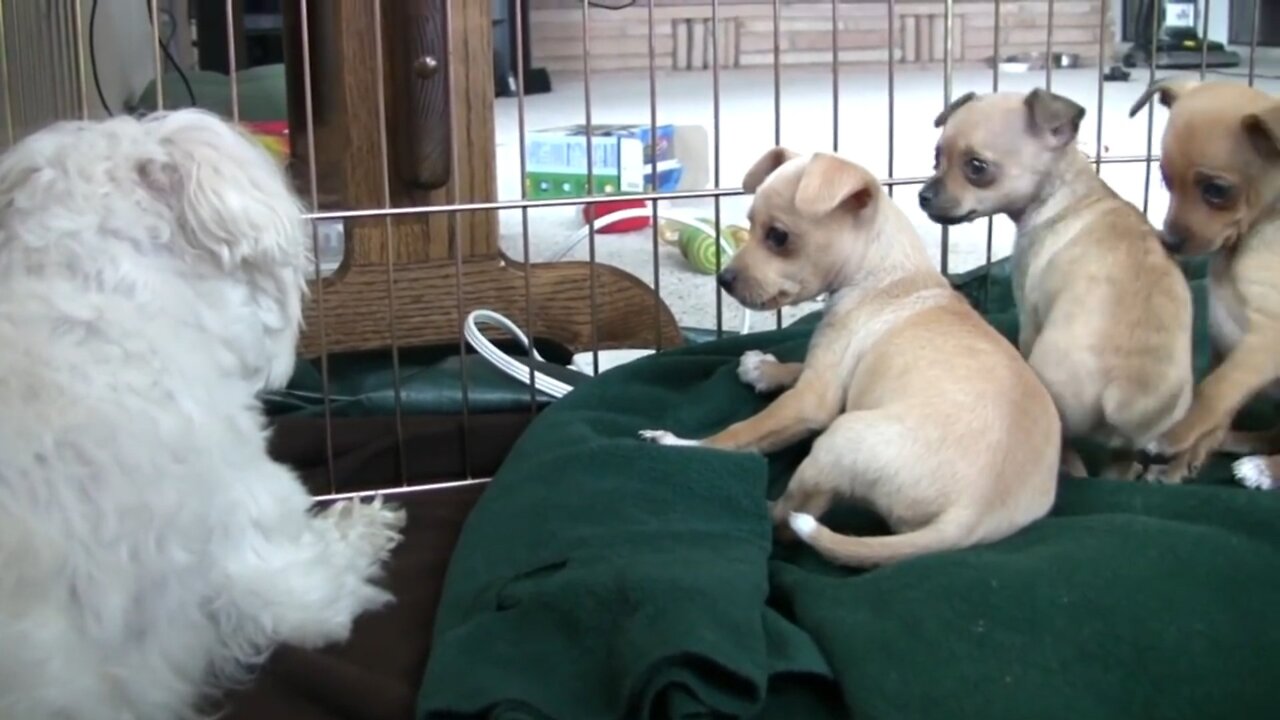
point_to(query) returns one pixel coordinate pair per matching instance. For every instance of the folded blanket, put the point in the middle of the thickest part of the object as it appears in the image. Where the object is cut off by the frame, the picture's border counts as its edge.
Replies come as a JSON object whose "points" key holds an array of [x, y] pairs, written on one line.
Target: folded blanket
{"points": [[599, 577]]}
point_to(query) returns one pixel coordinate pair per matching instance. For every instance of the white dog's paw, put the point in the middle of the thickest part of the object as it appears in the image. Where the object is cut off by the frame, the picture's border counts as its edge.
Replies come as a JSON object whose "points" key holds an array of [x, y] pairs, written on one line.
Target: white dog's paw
{"points": [[662, 437], [1253, 472], [373, 526], [753, 370]]}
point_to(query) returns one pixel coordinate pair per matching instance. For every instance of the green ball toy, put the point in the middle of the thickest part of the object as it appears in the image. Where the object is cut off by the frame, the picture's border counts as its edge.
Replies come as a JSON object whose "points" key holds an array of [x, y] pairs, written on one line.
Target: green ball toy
{"points": [[699, 248]]}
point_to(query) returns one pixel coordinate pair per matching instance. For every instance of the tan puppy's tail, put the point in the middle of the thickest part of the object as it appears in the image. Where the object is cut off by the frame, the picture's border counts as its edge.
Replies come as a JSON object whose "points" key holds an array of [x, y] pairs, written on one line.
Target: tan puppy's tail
{"points": [[948, 532]]}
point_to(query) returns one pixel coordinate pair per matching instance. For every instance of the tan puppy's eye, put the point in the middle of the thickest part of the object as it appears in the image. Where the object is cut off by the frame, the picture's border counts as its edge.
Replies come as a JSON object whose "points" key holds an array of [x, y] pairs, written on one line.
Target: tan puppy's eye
{"points": [[976, 167], [1216, 193], [937, 157], [776, 238]]}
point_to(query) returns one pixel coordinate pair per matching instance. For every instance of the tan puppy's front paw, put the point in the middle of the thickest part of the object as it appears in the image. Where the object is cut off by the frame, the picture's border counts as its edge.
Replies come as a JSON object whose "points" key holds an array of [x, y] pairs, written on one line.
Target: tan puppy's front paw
{"points": [[753, 370], [1190, 436], [1178, 466], [662, 437], [1172, 474]]}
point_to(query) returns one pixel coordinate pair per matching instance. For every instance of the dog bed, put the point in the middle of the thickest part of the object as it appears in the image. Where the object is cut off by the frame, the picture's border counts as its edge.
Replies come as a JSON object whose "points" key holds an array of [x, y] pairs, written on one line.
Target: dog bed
{"points": [[601, 577]]}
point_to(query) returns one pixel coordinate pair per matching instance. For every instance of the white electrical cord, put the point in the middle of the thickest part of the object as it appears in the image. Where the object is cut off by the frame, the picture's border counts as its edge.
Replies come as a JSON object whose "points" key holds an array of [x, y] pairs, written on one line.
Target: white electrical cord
{"points": [[542, 382], [727, 248]]}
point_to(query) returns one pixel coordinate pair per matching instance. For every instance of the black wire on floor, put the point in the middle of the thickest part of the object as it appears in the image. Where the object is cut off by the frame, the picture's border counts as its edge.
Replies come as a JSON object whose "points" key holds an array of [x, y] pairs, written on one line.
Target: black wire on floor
{"points": [[164, 47], [93, 59]]}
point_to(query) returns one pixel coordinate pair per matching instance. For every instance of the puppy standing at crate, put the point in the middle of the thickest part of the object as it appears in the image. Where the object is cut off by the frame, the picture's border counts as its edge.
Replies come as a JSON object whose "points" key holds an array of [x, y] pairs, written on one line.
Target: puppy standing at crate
{"points": [[1220, 159], [152, 274], [925, 412], [1104, 313]]}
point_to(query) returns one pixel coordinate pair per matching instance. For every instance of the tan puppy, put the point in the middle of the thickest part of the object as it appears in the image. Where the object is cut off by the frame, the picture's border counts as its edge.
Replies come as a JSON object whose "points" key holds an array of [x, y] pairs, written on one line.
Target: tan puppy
{"points": [[926, 413], [1220, 159], [1104, 314]]}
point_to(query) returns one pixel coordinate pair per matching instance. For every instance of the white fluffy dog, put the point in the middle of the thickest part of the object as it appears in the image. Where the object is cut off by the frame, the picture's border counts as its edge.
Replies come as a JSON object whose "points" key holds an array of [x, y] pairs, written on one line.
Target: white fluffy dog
{"points": [[151, 283]]}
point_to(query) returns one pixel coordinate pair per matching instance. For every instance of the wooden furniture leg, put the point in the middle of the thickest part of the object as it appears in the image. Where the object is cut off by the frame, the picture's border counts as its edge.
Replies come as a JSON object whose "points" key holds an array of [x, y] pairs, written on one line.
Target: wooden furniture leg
{"points": [[410, 279]]}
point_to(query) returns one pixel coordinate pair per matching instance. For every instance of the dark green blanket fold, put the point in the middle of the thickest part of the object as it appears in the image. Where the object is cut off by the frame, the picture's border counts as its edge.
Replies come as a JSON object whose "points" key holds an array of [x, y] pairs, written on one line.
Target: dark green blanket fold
{"points": [[600, 577]]}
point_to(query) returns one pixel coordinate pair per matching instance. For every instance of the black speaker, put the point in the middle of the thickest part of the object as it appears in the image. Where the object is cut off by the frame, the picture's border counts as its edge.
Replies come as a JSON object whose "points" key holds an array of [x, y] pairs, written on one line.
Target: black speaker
{"points": [[536, 80]]}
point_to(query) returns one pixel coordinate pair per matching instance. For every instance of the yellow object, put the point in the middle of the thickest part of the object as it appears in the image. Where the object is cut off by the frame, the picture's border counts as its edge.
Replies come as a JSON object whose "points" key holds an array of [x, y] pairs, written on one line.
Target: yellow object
{"points": [[274, 144], [699, 248]]}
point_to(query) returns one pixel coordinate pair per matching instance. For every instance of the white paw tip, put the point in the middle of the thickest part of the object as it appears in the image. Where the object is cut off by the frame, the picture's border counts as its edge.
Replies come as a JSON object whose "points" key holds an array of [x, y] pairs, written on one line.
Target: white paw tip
{"points": [[1252, 472], [803, 524], [663, 437]]}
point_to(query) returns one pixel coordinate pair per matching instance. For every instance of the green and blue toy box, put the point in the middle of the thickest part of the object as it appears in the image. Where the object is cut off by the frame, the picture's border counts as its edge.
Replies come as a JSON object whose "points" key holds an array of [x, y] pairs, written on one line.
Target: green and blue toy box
{"points": [[622, 160]]}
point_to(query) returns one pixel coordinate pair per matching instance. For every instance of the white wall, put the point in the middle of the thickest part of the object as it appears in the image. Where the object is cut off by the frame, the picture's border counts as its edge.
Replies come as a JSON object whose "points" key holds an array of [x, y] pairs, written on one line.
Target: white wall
{"points": [[1219, 14], [124, 47]]}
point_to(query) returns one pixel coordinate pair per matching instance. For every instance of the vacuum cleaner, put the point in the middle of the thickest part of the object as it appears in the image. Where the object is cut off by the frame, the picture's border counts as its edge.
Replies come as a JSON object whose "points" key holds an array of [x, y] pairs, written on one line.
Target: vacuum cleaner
{"points": [[1177, 43]]}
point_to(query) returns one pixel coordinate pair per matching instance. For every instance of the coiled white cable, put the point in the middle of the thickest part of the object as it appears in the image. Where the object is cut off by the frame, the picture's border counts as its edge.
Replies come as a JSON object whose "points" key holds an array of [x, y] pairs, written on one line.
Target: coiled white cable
{"points": [[542, 382]]}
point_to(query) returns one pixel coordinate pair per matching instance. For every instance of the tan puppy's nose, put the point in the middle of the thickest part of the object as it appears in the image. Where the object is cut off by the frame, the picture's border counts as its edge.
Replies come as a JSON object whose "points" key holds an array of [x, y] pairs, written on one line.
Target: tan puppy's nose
{"points": [[927, 195], [726, 279], [1173, 238]]}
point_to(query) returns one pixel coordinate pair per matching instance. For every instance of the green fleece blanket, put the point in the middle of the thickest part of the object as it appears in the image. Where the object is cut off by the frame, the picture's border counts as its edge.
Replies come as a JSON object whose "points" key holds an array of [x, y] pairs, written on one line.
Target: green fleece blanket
{"points": [[600, 577]]}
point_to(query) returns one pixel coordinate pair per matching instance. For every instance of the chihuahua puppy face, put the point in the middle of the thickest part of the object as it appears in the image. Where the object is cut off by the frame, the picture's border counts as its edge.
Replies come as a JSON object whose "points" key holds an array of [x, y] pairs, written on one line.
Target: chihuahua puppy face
{"points": [[996, 152], [809, 229], [1220, 160]]}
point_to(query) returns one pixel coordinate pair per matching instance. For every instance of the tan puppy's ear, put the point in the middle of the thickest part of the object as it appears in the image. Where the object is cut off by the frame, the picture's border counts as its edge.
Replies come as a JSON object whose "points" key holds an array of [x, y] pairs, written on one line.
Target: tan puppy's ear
{"points": [[955, 105], [1263, 130], [830, 182], [1055, 116], [1167, 91], [765, 166]]}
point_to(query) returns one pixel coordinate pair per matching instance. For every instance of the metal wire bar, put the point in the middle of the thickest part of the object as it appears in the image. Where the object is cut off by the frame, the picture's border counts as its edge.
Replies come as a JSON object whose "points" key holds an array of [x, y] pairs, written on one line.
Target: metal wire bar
{"points": [[308, 94], [591, 186], [1102, 63], [1151, 115], [653, 173], [522, 133], [893, 61], [715, 152], [835, 76], [1204, 41], [8, 80], [155, 47], [232, 69], [404, 490], [389, 232], [81, 70], [777, 99], [948, 18], [455, 242], [1048, 48], [1253, 40], [995, 88], [564, 202]]}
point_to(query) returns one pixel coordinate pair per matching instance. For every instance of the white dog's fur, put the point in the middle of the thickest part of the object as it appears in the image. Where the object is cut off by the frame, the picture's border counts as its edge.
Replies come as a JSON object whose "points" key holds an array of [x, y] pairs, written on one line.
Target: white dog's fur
{"points": [[151, 279]]}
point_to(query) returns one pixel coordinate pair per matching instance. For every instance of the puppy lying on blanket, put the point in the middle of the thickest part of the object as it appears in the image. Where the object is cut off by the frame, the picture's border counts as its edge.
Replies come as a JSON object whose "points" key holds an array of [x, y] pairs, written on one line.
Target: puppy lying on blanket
{"points": [[1220, 159], [925, 412], [152, 274]]}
